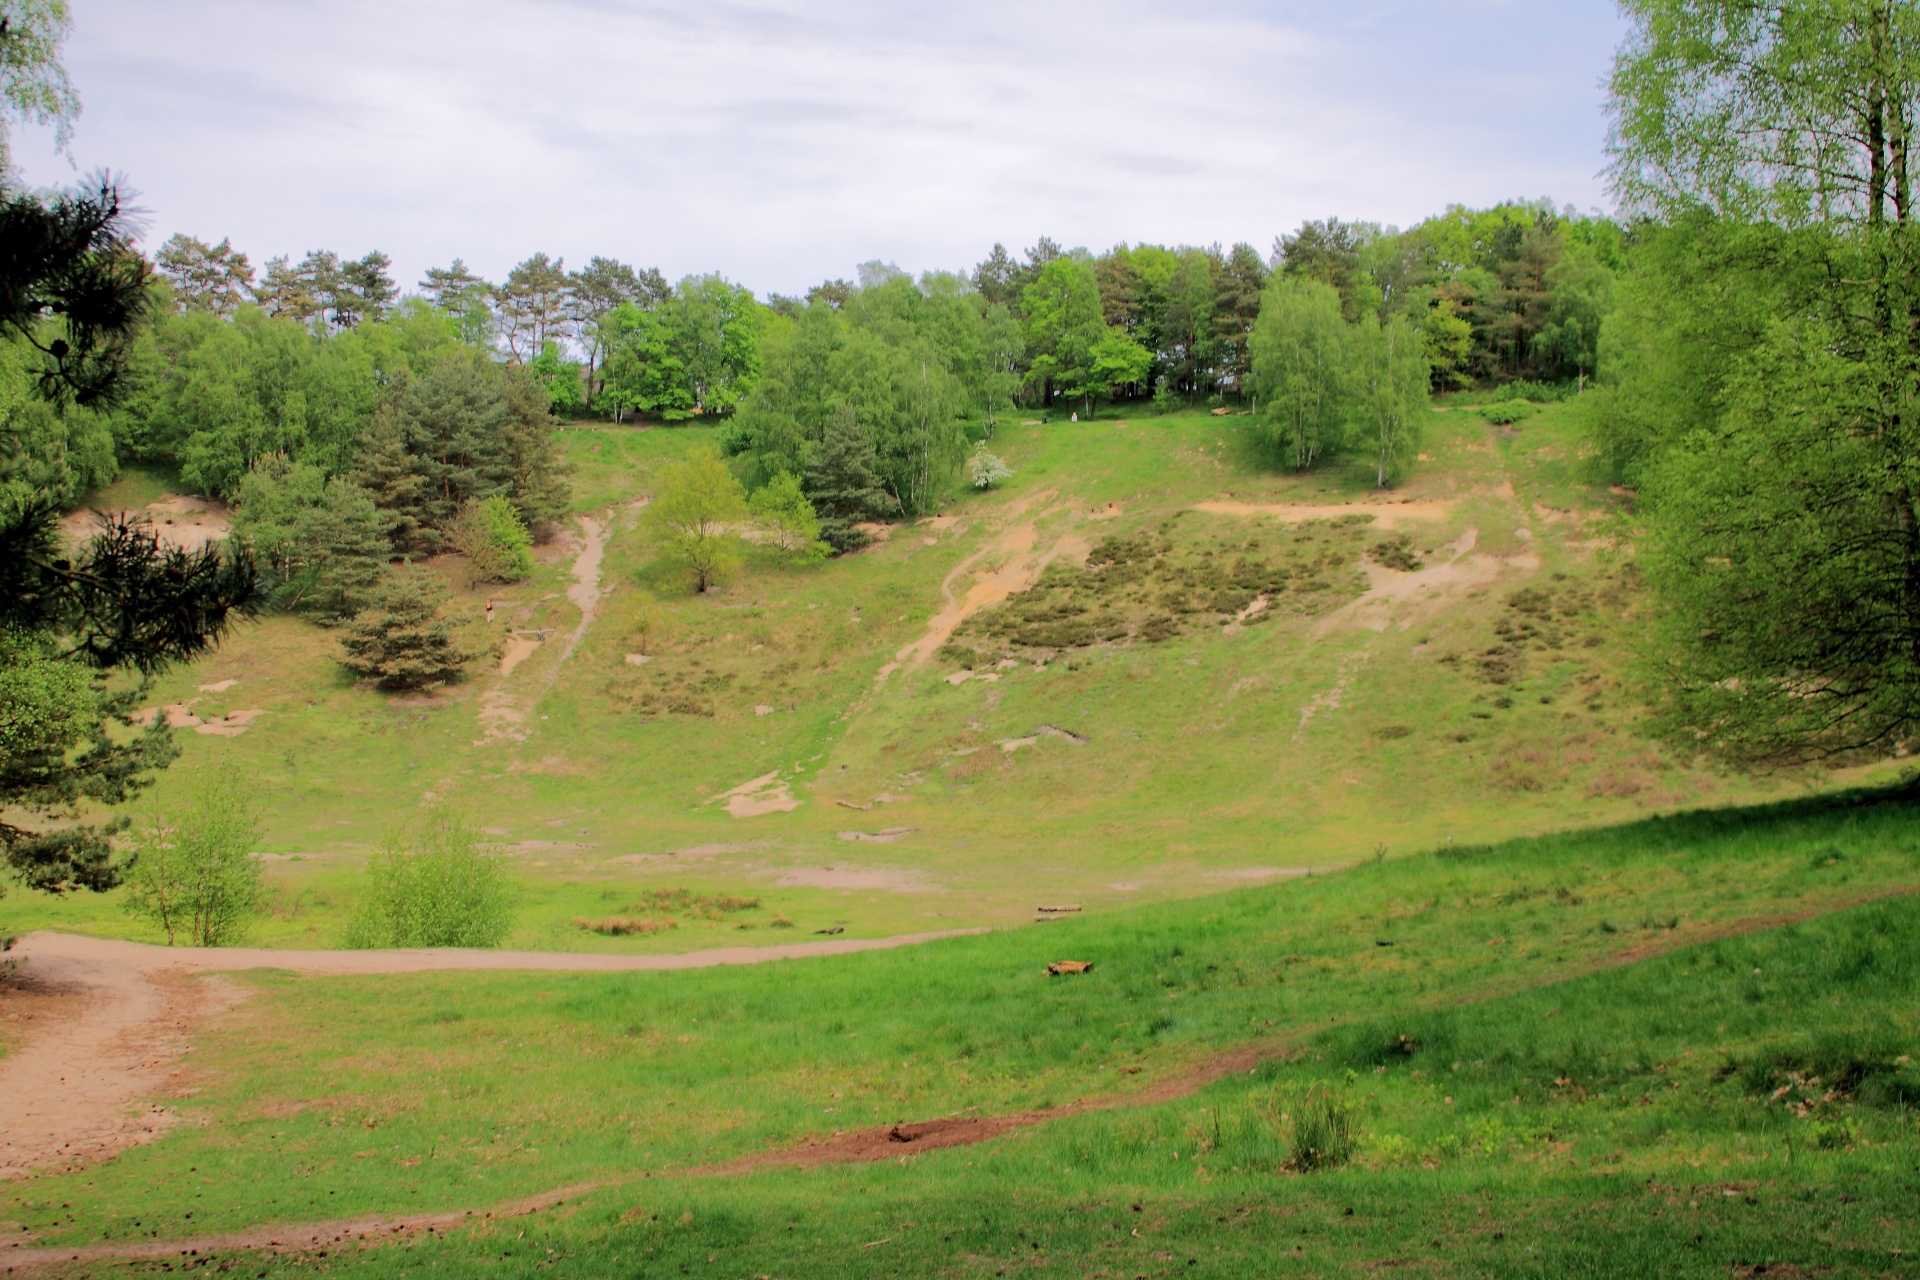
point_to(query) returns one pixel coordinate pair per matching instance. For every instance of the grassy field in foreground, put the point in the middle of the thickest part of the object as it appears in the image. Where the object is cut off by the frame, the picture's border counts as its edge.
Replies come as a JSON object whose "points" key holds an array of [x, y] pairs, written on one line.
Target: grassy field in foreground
{"points": [[1474, 693], [1605, 1053]]}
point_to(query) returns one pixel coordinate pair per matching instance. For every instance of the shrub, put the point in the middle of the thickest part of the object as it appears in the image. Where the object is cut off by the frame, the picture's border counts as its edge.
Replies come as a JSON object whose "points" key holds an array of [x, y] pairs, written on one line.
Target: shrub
{"points": [[1509, 412], [195, 873], [1537, 392], [401, 641], [782, 510], [497, 546], [1324, 1133], [985, 469], [434, 887], [1397, 553]]}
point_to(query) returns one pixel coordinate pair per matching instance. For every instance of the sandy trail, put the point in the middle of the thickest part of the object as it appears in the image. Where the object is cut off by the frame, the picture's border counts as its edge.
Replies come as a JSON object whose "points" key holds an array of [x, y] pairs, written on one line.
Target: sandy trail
{"points": [[1018, 570], [502, 715], [902, 1139], [80, 1089]]}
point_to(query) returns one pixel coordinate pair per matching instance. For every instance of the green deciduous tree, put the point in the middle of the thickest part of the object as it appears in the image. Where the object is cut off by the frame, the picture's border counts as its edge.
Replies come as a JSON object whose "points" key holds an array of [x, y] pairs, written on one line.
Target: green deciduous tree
{"points": [[781, 509], [33, 83], [1063, 322], [696, 512], [1769, 349], [193, 873], [1300, 353], [598, 290], [1390, 378], [559, 377], [1117, 361]]}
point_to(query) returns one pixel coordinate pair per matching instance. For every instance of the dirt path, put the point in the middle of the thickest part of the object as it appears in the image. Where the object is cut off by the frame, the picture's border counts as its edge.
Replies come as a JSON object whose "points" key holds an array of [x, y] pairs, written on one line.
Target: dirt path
{"points": [[80, 1089], [1018, 569], [503, 711], [68, 1094], [891, 1141]]}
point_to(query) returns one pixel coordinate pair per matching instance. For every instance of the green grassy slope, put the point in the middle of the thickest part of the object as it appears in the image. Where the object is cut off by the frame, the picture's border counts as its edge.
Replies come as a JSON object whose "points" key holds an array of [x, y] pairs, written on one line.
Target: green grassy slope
{"points": [[1471, 693], [1601, 1054]]}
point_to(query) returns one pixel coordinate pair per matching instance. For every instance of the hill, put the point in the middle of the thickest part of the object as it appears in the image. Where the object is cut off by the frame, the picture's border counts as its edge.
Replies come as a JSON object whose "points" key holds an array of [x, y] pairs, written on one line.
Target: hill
{"points": [[1149, 666]]}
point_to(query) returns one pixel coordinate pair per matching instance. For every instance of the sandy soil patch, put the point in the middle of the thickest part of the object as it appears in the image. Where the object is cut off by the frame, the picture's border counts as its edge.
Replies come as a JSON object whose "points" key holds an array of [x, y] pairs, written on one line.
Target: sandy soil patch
{"points": [[178, 520], [230, 725], [759, 796], [892, 879], [114, 1034], [1016, 570], [1393, 597], [218, 686], [519, 647], [890, 835], [1386, 515], [1107, 511], [1011, 745], [694, 851], [875, 530], [638, 659]]}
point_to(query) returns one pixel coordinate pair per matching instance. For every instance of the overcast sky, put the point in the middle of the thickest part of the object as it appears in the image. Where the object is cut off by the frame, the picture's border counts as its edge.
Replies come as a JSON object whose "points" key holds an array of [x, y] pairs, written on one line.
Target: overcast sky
{"points": [[783, 141]]}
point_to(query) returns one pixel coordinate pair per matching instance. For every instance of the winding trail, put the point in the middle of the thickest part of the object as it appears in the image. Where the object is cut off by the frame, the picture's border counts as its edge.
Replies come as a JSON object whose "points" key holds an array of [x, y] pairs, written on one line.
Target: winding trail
{"points": [[503, 716], [83, 1088]]}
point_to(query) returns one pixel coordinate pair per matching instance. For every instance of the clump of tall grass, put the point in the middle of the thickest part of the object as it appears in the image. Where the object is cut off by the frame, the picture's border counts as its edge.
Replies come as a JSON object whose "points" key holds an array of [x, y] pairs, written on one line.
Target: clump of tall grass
{"points": [[433, 886], [1325, 1133]]}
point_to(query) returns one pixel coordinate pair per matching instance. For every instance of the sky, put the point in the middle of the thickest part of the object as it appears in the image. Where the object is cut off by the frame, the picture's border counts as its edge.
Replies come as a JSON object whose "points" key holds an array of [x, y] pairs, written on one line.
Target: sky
{"points": [[782, 142]]}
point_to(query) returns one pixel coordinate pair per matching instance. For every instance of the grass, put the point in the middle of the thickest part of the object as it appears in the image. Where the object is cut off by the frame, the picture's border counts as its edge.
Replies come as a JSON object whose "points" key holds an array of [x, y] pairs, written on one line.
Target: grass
{"points": [[1212, 754], [1598, 1019]]}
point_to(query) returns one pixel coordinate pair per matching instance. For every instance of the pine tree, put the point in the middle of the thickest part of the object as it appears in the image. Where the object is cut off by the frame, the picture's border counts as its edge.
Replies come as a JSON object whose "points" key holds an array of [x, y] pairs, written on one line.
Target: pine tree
{"points": [[540, 491], [842, 485], [401, 640], [385, 470]]}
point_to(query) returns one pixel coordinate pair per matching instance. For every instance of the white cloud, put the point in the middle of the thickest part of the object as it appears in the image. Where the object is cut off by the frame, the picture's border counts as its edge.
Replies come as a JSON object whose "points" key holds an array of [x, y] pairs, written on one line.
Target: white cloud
{"points": [[781, 141]]}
